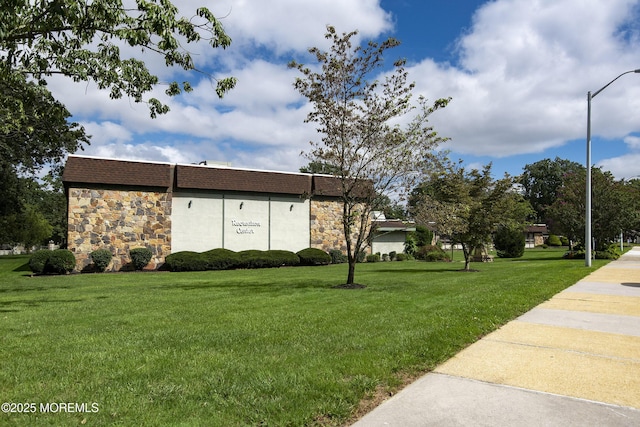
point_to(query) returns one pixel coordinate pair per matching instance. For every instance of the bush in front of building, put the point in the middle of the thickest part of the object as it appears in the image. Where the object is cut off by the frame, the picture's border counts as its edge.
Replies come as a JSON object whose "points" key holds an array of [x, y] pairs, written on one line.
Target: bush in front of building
{"points": [[267, 259], [553, 240], [61, 261], [101, 259], [337, 257], [402, 257], [431, 253], [38, 261], [186, 261], [221, 259], [140, 257], [373, 258], [313, 256]]}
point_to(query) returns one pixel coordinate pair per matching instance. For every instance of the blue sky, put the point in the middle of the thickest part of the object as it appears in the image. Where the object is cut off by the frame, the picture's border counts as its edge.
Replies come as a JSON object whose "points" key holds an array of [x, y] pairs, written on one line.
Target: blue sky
{"points": [[518, 72]]}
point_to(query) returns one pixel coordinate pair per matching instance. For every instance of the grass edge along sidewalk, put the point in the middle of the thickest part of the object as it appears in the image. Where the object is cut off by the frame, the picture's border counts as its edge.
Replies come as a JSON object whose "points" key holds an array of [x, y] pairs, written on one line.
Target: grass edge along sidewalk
{"points": [[248, 347]]}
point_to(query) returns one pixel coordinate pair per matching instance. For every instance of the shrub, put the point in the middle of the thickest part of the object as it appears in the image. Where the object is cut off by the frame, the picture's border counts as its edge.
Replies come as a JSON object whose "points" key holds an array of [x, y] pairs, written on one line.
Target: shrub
{"points": [[553, 240], [373, 258], [610, 252], [101, 259], [314, 256], [431, 253], [221, 259], [575, 254], [267, 259], [337, 257], [410, 246], [564, 240], [402, 257], [361, 256], [38, 261], [392, 255], [509, 242], [61, 261], [186, 261], [140, 257]]}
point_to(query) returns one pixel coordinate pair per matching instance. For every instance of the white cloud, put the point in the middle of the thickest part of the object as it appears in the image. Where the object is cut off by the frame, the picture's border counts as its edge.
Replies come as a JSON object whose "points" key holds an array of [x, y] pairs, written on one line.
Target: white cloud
{"points": [[524, 71], [518, 86], [626, 166]]}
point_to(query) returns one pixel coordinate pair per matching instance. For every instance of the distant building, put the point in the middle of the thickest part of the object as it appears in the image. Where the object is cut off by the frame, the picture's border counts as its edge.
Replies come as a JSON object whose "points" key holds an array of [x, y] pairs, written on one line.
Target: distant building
{"points": [[389, 234], [535, 235], [120, 205]]}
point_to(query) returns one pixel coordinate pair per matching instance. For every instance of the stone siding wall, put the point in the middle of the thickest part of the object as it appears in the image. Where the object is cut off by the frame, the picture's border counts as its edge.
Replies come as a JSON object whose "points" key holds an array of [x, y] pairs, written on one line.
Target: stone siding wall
{"points": [[119, 220], [327, 231]]}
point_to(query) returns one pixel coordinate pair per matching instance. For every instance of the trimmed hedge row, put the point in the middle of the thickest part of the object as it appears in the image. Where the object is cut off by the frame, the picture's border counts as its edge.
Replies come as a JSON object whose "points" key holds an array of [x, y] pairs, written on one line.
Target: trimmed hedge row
{"points": [[225, 259]]}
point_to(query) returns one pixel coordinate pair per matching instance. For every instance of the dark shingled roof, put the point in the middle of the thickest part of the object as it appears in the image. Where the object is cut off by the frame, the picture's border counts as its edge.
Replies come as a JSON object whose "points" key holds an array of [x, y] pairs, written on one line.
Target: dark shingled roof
{"points": [[90, 170], [327, 186], [223, 179], [116, 172]]}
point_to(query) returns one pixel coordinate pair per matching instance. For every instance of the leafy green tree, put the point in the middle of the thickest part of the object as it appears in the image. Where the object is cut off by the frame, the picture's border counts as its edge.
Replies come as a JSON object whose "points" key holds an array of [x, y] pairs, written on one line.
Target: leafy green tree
{"points": [[613, 207], [82, 39], [541, 181], [468, 206], [30, 228], [354, 108]]}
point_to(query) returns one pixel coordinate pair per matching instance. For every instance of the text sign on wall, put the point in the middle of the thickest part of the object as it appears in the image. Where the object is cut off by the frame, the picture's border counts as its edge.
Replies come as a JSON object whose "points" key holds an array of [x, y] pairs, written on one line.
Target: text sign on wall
{"points": [[245, 227]]}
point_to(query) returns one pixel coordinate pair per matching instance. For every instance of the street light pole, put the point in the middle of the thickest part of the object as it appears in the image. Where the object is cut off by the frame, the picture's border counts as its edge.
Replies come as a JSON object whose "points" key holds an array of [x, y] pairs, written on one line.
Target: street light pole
{"points": [[587, 232]]}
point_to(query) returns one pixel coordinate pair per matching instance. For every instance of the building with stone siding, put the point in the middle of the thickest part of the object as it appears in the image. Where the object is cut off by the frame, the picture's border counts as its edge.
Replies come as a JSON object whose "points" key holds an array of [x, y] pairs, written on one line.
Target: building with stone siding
{"points": [[120, 205]]}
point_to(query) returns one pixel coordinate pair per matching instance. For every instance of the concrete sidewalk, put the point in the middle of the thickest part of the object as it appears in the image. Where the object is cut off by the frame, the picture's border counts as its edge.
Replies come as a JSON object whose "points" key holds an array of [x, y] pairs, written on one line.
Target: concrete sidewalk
{"points": [[571, 361]]}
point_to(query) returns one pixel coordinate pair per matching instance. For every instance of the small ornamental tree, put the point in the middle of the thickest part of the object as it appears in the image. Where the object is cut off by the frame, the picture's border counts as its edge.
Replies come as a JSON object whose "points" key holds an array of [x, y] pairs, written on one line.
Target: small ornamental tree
{"points": [[354, 108], [468, 206]]}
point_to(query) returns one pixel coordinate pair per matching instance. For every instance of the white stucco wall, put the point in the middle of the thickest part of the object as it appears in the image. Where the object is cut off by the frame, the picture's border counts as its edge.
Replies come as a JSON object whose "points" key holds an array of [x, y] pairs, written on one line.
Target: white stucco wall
{"points": [[290, 225], [202, 221], [196, 222], [386, 242]]}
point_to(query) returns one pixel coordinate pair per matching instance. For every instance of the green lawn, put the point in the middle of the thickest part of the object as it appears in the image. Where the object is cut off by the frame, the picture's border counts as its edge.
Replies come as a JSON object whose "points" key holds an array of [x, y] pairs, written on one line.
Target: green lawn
{"points": [[273, 347]]}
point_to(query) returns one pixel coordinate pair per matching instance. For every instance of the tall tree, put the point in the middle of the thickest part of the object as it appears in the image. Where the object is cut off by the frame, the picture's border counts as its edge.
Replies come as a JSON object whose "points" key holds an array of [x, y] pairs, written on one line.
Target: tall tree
{"points": [[34, 132], [353, 108], [468, 206], [82, 40], [613, 207], [541, 181]]}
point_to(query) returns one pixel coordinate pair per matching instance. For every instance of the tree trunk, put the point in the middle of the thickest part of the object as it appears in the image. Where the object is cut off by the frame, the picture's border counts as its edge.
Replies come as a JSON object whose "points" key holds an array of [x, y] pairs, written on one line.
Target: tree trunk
{"points": [[467, 257], [352, 271]]}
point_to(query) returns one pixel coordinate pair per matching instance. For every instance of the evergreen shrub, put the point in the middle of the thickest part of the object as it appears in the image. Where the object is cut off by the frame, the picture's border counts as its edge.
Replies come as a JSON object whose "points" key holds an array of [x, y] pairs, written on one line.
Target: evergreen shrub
{"points": [[610, 252], [186, 261], [38, 261], [221, 259], [140, 257], [337, 257], [314, 256], [373, 258], [553, 240], [509, 242], [60, 261], [267, 259], [431, 253], [101, 259]]}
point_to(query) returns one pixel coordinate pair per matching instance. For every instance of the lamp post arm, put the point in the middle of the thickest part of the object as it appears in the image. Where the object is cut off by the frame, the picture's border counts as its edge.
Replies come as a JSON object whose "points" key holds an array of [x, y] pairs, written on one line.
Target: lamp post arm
{"points": [[593, 95]]}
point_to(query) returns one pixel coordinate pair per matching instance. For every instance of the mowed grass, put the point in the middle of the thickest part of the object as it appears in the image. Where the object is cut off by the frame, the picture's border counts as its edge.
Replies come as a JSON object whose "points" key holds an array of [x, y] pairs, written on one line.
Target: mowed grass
{"points": [[276, 347]]}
